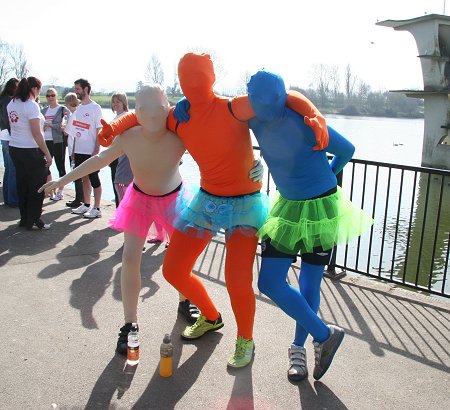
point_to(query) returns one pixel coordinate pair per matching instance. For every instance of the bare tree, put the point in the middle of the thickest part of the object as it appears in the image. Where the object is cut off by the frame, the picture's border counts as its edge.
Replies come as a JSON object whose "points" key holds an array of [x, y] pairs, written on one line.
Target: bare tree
{"points": [[4, 63], [335, 81], [53, 80], [19, 63], [321, 78], [350, 80], [174, 89], [155, 73], [245, 78], [139, 85], [363, 92]]}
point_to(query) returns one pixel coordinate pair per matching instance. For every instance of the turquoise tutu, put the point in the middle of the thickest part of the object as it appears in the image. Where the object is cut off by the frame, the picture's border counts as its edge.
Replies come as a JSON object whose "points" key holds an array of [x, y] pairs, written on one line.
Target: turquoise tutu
{"points": [[208, 214]]}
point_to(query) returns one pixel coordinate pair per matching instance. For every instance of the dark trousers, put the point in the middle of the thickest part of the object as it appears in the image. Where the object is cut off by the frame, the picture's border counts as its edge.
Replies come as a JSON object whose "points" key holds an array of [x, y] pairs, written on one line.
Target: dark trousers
{"points": [[58, 152], [9, 178], [113, 167], [31, 174]]}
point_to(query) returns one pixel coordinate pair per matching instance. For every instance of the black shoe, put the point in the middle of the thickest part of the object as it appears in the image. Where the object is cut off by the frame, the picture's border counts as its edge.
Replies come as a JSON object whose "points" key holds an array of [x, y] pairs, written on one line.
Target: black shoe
{"points": [[122, 342], [22, 224], [74, 204], [189, 311]]}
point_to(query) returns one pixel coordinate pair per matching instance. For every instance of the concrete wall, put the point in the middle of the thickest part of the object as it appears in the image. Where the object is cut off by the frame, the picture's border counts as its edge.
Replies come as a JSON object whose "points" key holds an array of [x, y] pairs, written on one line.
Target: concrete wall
{"points": [[432, 35]]}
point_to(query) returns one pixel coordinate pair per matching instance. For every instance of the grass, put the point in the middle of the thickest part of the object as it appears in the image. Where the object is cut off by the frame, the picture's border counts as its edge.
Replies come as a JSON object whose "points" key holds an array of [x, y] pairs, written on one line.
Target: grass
{"points": [[104, 100]]}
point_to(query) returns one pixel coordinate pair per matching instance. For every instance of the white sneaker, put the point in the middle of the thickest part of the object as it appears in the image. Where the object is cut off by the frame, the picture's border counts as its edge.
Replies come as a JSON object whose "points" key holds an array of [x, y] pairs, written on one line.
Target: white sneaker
{"points": [[53, 198], [59, 195], [297, 370], [93, 213], [82, 209]]}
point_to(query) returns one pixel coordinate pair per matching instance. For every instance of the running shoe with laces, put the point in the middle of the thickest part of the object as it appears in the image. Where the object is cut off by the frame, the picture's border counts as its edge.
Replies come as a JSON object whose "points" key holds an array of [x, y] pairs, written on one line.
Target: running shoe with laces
{"points": [[243, 352], [82, 209], [297, 370], [93, 213], [200, 327], [325, 351]]}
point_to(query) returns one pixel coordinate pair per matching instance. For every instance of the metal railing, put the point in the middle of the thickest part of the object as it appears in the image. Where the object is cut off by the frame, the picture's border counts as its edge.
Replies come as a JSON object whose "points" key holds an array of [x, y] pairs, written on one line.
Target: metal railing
{"points": [[408, 244]]}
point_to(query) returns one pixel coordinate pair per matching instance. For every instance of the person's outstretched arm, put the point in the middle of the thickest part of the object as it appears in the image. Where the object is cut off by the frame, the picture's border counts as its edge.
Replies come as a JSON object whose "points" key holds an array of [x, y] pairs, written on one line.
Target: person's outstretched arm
{"points": [[110, 131], [242, 110], [93, 164]]}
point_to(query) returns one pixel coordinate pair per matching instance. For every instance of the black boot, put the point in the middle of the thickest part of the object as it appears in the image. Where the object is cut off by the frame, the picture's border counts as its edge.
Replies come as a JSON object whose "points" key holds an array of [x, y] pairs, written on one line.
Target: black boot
{"points": [[189, 311], [122, 341]]}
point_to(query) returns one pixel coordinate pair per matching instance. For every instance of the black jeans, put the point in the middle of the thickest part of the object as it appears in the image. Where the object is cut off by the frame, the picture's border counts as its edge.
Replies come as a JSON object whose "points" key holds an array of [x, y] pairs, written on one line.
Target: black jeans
{"points": [[58, 151], [31, 174]]}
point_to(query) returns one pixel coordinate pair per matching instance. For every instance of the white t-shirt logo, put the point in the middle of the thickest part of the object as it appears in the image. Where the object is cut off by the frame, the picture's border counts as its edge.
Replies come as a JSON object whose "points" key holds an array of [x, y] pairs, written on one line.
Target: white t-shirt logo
{"points": [[13, 116]]}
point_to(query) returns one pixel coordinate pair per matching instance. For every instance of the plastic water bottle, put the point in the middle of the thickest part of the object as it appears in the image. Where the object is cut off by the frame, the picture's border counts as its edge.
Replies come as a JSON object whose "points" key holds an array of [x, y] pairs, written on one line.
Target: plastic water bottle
{"points": [[165, 362], [133, 346]]}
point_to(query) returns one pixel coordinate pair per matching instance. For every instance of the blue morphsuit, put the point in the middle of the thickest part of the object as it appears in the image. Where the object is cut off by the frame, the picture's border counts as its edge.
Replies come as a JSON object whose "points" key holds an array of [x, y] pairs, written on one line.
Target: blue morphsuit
{"points": [[300, 173], [286, 142]]}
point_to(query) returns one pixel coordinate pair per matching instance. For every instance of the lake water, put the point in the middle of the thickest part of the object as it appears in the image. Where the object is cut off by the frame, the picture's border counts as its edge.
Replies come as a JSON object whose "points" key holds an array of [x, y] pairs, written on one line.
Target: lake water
{"points": [[389, 140]]}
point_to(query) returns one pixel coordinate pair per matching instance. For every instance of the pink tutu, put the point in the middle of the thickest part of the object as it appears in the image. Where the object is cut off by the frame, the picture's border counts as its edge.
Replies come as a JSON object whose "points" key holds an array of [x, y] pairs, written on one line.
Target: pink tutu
{"points": [[137, 212]]}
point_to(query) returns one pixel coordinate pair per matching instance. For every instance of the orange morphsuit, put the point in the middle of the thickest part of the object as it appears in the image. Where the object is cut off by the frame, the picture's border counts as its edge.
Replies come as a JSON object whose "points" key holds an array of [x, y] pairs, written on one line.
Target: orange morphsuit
{"points": [[218, 138]]}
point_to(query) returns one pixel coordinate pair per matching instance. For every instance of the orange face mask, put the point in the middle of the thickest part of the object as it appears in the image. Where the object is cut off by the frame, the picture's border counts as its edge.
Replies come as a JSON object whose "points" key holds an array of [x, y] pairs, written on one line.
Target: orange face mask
{"points": [[196, 74]]}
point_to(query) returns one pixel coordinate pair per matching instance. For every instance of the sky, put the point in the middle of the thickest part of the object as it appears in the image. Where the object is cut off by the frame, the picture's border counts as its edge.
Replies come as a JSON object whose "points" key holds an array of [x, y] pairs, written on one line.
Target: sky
{"points": [[111, 42]]}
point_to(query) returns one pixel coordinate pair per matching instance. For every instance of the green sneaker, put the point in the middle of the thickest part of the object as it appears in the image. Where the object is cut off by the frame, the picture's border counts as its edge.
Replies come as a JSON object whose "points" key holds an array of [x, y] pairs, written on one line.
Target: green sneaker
{"points": [[200, 327], [243, 353]]}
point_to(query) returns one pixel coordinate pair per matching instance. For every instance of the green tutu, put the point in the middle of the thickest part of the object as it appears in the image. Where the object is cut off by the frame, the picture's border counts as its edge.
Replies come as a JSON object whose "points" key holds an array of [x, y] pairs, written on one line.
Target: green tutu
{"points": [[301, 226]]}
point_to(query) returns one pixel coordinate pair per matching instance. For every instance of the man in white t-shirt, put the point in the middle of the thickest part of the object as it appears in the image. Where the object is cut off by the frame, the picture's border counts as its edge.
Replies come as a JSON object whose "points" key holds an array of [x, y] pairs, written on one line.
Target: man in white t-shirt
{"points": [[86, 124]]}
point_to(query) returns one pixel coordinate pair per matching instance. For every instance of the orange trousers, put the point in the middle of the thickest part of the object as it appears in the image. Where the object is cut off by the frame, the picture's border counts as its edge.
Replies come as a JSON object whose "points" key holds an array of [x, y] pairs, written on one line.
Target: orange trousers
{"points": [[240, 253]]}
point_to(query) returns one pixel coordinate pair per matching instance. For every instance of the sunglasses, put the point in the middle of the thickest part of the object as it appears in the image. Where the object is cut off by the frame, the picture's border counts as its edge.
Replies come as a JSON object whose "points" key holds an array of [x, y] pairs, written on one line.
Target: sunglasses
{"points": [[50, 95]]}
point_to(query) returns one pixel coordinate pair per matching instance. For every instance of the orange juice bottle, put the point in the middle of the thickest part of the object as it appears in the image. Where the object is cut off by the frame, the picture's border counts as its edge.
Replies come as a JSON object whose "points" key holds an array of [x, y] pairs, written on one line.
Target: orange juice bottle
{"points": [[165, 362]]}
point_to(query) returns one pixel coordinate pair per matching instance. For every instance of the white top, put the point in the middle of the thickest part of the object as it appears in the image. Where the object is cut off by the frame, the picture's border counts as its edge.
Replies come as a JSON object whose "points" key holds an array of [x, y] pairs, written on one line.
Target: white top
{"points": [[20, 113], [49, 116], [83, 125], [70, 130], [4, 135]]}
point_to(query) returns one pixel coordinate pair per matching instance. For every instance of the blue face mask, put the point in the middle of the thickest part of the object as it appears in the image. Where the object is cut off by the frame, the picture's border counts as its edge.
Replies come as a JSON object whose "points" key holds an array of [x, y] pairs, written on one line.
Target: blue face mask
{"points": [[267, 95]]}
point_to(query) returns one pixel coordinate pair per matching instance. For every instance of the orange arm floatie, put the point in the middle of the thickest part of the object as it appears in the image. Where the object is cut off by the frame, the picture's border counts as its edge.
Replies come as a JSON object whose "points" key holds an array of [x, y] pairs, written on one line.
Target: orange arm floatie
{"points": [[297, 102], [313, 117], [110, 131]]}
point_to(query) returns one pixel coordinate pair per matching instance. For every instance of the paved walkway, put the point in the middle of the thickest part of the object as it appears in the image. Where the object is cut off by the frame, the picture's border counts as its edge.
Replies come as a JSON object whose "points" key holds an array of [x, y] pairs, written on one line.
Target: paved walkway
{"points": [[60, 310]]}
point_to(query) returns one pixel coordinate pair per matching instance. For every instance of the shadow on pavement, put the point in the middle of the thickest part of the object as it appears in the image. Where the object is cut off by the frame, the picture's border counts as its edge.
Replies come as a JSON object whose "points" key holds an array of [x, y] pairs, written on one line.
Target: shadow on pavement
{"points": [[161, 393]]}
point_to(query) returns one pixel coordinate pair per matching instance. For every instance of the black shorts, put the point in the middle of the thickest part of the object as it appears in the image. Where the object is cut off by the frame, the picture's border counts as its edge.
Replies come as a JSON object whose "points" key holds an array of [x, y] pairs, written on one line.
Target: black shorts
{"points": [[317, 257], [94, 178]]}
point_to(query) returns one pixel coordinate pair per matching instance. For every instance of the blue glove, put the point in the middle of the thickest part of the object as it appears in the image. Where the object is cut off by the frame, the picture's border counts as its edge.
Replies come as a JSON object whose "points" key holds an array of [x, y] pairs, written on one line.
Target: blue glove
{"points": [[257, 172], [181, 110]]}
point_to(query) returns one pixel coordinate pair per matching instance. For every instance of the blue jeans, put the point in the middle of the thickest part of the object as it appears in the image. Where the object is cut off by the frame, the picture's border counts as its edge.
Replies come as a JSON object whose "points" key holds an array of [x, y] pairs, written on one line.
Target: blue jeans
{"points": [[9, 178]]}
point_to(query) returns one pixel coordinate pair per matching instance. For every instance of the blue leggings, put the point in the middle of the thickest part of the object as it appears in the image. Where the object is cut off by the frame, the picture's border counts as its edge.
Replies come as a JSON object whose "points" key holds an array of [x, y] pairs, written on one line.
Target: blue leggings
{"points": [[301, 305]]}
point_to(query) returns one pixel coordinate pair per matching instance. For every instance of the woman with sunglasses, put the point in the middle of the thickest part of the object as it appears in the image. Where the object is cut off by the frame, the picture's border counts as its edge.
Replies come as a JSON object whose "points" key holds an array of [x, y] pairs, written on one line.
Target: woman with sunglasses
{"points": [[55, 119]]}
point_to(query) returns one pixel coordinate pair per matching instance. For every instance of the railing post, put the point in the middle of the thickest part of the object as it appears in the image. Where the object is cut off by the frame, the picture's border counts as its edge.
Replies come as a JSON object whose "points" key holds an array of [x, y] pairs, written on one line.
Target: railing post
{"points": [[330, 272]]}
